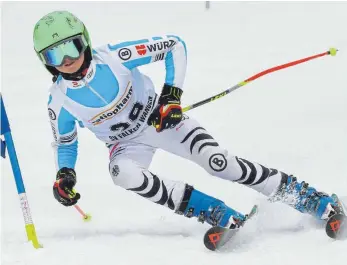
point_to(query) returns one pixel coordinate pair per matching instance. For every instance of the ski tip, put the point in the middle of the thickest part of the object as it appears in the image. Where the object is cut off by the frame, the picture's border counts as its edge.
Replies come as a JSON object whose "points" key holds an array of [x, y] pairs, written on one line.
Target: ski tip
{"points": [[336, 227], [254, 210], [213, 236], [216, 238]]}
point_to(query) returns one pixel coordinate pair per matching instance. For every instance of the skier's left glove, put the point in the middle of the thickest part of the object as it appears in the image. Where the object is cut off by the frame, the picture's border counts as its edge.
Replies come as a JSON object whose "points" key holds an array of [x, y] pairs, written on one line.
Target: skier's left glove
{"points": [[63, 190], [168, 112]]}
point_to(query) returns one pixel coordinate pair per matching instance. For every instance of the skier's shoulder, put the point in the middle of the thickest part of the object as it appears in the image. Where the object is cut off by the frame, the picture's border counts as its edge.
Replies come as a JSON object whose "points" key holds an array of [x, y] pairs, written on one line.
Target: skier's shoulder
{"points": [[103, 50], [57, 83], [104, 53], [55, 91]]}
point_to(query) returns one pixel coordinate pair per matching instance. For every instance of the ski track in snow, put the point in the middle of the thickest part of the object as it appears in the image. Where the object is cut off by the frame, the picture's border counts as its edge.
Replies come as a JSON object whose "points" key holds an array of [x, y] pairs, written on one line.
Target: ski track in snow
{"points": [[293, 120]]}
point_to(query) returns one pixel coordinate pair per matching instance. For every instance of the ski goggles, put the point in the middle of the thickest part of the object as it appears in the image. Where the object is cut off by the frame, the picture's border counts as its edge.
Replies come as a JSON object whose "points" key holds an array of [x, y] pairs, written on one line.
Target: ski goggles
{"points": [[71, 48]]}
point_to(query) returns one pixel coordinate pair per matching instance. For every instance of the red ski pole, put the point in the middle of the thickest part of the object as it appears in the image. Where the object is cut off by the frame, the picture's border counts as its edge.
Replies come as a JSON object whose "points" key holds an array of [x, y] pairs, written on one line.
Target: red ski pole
{"points": [[332, 52]]}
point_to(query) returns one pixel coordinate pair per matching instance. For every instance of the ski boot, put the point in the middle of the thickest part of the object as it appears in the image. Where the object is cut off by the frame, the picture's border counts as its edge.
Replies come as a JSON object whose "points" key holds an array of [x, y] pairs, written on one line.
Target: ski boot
{"points": [[306, 199], [209, 209]]}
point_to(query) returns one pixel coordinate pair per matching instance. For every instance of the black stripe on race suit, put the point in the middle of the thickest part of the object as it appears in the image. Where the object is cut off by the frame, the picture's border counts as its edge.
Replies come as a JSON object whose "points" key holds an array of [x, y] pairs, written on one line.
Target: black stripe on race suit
{"points": [[170, 202], [153, 191], [159, 57], [207, 144], [197, 138], [155, 188], [165, 198], [243, 168], [164, 195], [253, 173], [190, 133], [273, 172], [143, 186], [69, 136], [264, 175], [284, 177], [67, 139]]}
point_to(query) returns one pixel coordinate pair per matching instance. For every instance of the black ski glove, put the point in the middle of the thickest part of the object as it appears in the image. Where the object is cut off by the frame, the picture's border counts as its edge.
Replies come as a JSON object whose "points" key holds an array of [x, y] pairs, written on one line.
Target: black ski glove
{"points": [[63, 189], [168, 113]]}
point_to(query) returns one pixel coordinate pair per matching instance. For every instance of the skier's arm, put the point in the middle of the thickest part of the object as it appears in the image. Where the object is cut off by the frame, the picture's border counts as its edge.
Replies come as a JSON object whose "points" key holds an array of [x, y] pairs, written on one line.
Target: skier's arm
{"points": [[65, 149], [170, 48], [65, 136]]}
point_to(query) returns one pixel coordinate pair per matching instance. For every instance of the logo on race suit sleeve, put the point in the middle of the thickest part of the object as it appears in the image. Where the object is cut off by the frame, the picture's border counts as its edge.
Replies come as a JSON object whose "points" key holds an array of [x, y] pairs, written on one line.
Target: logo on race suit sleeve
{"points": [[54, 130], [68, 138], [51, 114], [218, 162], [124, 54], [159, 57], [141, 49], [159, 46]]}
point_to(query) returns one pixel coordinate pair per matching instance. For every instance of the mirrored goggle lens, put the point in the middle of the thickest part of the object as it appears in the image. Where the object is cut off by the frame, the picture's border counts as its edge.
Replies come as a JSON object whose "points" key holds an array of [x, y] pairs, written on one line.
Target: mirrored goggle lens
{"points": [[71, 48]]}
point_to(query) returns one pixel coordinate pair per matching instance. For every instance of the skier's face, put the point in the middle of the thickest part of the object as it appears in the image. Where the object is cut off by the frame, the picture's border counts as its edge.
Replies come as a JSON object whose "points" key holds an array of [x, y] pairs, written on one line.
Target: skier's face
{"points": [[71, 65]]}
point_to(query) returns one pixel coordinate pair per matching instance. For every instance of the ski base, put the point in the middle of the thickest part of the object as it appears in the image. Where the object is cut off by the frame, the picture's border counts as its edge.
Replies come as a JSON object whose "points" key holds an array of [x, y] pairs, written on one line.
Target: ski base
{"points": [[216, 237]]}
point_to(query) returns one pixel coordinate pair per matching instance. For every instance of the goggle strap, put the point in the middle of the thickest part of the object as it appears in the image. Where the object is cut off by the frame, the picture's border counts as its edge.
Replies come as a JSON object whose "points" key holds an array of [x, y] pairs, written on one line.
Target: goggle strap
{"points": [[84, 40]]}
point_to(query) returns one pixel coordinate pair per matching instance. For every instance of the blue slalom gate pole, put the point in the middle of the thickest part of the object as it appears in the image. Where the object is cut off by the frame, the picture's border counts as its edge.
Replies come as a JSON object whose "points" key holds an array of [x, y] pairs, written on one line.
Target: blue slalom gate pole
{"points": [[9, 145]]}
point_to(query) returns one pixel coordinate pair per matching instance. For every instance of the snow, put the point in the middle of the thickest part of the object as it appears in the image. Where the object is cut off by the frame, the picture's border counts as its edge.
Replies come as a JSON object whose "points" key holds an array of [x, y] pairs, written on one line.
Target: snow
{"points": [[293, 120]]}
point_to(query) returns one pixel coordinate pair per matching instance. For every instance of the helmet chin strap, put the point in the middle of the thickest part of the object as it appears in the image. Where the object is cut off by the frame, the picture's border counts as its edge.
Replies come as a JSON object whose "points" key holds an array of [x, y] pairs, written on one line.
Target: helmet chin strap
{"points": [[79, 74]]}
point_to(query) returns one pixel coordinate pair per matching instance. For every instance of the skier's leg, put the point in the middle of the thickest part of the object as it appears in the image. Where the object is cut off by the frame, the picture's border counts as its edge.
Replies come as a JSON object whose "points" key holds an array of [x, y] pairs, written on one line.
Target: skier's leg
{"points": [[128, 167], [191, 141]]}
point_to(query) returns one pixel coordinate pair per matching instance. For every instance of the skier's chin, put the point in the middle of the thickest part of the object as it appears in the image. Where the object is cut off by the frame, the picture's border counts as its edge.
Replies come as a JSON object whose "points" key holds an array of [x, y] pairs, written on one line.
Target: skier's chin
{"points": [[71, 66]]}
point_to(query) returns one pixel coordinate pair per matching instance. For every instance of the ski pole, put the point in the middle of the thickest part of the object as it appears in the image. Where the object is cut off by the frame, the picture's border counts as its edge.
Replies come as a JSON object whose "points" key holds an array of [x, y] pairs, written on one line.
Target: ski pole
{"points": [[86, 217], [332, 52], [5, 130]]}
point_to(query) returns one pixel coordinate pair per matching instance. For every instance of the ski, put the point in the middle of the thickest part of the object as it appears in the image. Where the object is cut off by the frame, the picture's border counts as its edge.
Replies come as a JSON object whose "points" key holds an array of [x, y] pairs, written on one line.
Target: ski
{"points": [[336, 226], [216, 237]]}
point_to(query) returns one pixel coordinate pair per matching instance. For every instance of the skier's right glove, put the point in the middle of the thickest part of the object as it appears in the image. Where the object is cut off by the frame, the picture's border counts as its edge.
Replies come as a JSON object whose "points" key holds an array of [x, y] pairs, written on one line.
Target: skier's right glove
{"points": [[63, 189], [168, 113]]}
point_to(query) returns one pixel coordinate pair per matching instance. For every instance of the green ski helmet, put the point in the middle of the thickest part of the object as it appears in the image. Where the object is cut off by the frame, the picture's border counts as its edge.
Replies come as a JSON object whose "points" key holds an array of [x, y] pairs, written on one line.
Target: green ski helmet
{"points": [[57, 26]]}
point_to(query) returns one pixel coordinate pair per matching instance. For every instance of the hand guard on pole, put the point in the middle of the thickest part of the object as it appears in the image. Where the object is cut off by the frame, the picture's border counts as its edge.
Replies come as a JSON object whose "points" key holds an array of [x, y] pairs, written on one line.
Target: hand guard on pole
{"points": [[63, 189], [168, 113]]}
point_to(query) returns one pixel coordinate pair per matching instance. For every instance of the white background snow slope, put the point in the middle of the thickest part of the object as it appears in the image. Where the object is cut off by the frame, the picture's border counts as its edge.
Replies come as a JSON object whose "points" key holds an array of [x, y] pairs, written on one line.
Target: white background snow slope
{"points": [[293, 120]]}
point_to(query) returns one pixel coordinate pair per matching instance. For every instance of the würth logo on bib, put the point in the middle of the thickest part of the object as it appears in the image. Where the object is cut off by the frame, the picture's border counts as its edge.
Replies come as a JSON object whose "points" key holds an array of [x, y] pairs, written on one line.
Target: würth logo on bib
{"points": [[141, 49], [119, 106]]}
